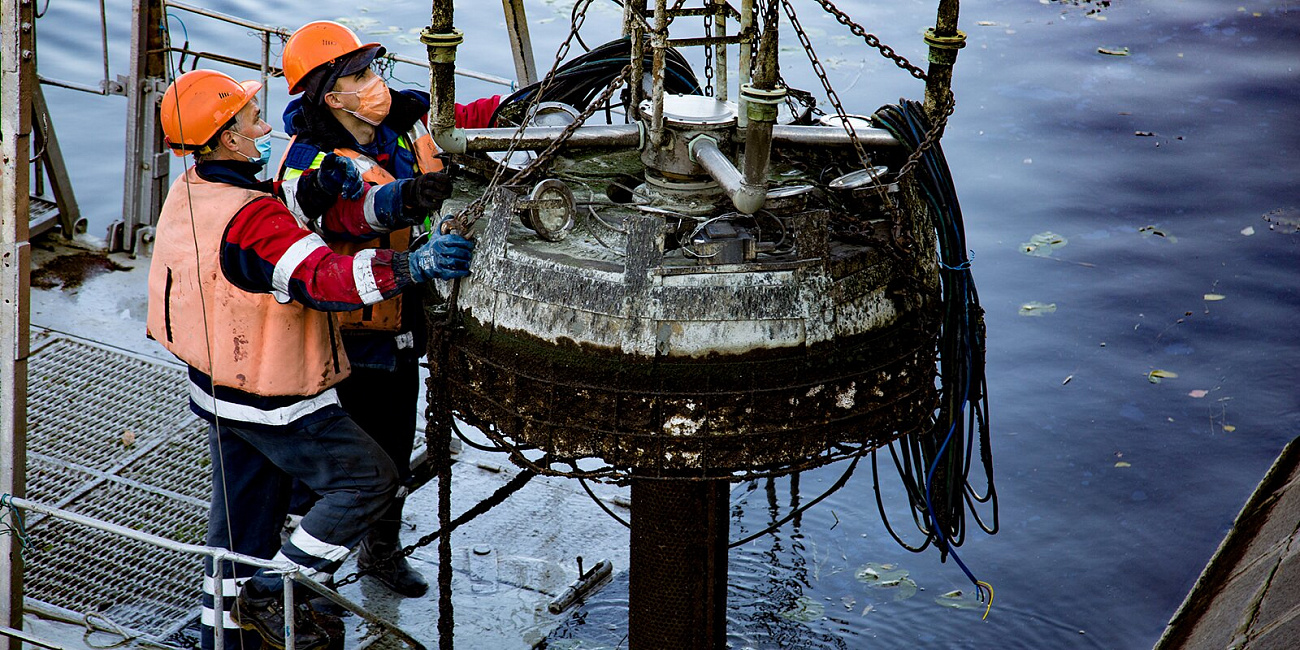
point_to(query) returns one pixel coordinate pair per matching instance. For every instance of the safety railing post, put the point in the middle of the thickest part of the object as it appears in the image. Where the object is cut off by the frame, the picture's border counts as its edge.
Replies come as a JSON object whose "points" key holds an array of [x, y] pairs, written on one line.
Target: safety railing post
{"points": [[17, 54]]}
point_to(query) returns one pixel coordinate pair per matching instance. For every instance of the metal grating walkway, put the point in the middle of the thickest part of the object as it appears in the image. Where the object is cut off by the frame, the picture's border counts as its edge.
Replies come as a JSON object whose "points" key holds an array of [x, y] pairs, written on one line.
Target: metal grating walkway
{"points": [[110, 436]]}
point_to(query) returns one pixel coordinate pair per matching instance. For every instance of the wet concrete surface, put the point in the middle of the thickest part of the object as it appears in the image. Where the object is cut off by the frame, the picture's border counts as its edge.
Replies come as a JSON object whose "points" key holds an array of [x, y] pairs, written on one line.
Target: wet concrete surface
{"points": [[527, 547]]}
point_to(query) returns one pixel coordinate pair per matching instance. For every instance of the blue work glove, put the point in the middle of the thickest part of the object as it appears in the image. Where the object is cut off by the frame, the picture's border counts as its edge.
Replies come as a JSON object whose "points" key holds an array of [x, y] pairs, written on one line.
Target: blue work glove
{"points": [[338, 176], [444, 257]]}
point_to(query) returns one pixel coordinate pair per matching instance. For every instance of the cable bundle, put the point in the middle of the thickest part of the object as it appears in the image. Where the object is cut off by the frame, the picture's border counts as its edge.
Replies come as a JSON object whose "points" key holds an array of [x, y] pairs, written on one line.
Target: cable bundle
{"points": [[942, 460], [581, 80]]}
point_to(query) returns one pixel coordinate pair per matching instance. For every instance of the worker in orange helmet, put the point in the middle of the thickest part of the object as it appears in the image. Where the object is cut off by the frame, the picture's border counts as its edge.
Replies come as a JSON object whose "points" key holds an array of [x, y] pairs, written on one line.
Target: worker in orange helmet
{"points": [[244, 294], [347, 109]]}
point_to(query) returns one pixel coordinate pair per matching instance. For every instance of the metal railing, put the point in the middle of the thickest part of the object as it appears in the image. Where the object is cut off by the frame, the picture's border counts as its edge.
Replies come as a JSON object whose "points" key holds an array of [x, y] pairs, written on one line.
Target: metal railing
{"points": [[292, 572]]}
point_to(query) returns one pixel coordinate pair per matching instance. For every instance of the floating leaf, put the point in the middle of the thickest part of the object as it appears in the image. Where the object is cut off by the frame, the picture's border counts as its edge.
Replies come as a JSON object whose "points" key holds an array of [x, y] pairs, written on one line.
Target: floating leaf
{"points": [[1287, 218], [1067, 379], [1143, 134], [1229, 428], [1156, 375], [906, 589], [955, 599], [1148, 231], [880, 574], [1037, 308], [805, 610], [986, 23], [867, 609], [1042, 244], [1248, 231], [1211, 297], [1198, 393], [849, 602], [1123, 464], [1123, 51]]}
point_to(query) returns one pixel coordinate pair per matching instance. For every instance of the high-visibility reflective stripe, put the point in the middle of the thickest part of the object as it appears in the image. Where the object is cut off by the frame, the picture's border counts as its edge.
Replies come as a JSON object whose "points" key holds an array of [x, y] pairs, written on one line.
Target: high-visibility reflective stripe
{"points": [[307, 543], [314, 574], [229, 586], [227, 622], [274, 417], [363, 274], [292, 258], [368, 208]]}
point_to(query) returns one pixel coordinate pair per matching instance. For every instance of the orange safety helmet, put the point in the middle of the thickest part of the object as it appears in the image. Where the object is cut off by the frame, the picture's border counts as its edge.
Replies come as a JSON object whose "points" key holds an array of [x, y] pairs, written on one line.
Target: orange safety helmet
{"points": [[314, 45], [198, 104]]}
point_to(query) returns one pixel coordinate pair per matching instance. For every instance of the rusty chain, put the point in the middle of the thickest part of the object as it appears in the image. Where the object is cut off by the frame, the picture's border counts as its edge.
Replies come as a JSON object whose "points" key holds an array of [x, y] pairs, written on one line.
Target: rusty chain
{"points": [[932, 136], [871, 39], [708, 50], [471, 213]]}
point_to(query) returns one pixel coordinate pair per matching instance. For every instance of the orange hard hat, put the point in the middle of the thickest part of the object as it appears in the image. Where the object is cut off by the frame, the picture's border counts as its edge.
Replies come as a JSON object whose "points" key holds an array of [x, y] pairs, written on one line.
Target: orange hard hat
{"points": [[198, 104], [316, 44]]}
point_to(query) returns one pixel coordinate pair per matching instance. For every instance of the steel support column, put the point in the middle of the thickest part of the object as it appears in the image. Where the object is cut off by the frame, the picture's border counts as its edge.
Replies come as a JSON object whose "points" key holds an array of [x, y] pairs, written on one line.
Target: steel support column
{"points": [[17, 54], [678, 576], [520, 42], [147, 160]]}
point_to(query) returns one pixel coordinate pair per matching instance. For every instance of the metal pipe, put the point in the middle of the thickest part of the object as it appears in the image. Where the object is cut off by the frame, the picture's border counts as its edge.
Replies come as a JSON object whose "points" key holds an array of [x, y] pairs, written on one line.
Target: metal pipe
{"points": [[761, 100], [581, 587], [266, 71], [830, 136], [944, 40], [441, 39], [659, 41], [540, 137], [18, 67], [636, 52], [227, 18], [747, 198], [746, 55], [23, 636], [103, 38], [521, 44], [720, 50], [72, 85]]}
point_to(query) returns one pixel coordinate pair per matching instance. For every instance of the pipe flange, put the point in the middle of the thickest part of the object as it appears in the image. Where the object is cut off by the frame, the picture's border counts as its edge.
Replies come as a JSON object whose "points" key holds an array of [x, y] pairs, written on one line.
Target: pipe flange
{"points": [[762, 105], [442, 46], [690, 147], [954, 42]]}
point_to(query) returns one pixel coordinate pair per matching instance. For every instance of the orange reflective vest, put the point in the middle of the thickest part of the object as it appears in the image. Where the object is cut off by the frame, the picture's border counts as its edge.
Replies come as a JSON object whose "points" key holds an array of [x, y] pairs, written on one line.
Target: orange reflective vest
{"points": [[250, 341], [385, 316]]}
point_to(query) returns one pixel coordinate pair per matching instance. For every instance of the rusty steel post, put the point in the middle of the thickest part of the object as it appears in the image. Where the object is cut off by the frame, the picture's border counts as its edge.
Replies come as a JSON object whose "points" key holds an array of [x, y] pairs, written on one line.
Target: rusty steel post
{"points": [[944, 41], [441, 39], [17, 55], [148, 163]]}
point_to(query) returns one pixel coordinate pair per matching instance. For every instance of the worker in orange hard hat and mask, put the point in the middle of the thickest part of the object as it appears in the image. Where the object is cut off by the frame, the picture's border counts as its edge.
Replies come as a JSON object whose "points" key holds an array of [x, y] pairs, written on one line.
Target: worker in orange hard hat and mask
{"points": [[346, 109], [245, 294]]}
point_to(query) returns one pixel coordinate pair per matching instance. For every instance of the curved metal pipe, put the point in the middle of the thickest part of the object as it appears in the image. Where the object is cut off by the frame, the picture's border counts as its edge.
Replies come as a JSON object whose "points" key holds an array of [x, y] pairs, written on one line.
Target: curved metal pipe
{"points": [[746, 197]]}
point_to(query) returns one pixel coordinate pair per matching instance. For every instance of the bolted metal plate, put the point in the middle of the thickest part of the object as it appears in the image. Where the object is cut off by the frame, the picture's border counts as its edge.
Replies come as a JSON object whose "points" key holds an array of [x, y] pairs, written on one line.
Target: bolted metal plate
{"points": [[110, 436]]}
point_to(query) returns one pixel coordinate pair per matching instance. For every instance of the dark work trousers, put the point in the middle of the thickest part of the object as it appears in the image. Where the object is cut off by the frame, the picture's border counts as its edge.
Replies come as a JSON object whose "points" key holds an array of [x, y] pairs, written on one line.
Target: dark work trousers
{"points": [[252, 470], [384, 403]]}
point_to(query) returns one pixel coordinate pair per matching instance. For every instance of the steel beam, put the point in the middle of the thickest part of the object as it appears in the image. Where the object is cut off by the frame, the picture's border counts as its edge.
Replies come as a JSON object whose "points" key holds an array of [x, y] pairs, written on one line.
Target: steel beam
{"points": [[17, 56], [521, 44], [147, 162]]}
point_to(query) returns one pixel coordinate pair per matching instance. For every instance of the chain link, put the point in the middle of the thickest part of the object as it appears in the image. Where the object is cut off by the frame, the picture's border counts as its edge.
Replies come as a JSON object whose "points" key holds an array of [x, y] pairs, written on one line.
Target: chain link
{"points": [[932, 136], [708, 51], [467, 217], [871, 39]]}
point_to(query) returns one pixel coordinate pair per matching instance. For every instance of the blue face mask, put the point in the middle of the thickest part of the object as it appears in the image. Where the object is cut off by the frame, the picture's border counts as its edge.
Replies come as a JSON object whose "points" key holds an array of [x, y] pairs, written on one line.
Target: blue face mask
{"points": [[263, 144]]}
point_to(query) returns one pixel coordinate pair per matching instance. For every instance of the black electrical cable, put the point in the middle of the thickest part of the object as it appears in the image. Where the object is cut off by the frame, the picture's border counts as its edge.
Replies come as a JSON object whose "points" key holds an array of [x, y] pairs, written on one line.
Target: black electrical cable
{"points": [[579, 81]]}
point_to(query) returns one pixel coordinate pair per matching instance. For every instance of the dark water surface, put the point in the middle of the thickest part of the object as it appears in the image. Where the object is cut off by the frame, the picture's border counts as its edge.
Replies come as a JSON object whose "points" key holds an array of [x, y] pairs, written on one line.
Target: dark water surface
{"points": [[1114, 490]]}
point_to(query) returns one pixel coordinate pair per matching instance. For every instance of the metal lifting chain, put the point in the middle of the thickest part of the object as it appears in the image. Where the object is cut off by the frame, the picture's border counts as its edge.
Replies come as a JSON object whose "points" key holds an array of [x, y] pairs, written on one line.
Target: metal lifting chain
{"points": [[472, 212], [932, 136], [831, 95], [871, 39], [708, 50]]}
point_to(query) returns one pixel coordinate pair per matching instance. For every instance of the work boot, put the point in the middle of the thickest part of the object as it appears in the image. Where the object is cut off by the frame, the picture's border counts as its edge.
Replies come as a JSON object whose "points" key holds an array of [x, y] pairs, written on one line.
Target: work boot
{"points": [[265, 615], [379, 557]]}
